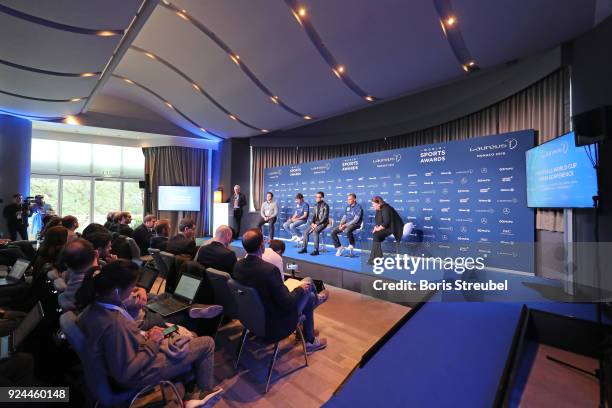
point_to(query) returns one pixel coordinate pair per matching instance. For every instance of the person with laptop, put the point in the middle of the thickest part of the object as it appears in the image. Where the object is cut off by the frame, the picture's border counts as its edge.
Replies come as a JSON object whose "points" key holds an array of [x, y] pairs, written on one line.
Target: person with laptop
{"points": [[134, 359], [282, 306]]}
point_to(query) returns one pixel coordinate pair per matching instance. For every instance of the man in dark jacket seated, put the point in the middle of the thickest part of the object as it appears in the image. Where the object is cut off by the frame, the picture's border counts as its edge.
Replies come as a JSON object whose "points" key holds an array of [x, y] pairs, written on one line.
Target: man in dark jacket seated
{"points": [[281, 306], [183, 243], [143, 234], [216, 254], [162, 232]]}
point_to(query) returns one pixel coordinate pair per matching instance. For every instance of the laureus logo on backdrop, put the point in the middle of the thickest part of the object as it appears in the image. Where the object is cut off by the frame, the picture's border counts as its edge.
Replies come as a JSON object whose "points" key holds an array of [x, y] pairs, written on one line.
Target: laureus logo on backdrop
{"points": [[562, 149], [388, 161], [507, 144]]}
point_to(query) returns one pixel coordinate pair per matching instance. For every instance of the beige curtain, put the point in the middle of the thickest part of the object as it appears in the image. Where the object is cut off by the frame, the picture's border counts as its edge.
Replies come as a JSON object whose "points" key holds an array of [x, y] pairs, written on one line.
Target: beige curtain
{"points": [[173, 166], [544, 106]]}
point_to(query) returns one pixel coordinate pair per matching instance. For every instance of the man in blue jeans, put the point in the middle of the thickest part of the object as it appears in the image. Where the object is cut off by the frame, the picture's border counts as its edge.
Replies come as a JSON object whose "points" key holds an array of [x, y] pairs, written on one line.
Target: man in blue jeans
{"points": [[299, 217], [282, 307]]}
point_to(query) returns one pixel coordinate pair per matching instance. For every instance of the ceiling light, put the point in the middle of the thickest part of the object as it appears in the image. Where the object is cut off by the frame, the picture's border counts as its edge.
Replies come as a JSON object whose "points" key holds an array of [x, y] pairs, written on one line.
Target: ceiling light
{"points": [[235, 58], [106, 33], [274, 99], [76, 99], [168, 104], [465, 68], [148, 54], [264, 130], [340, 69], [302, 12], [181, 15], [369, 98], [129, 81], [87, 74], [233, 117], [306, 117], [71, 120], [203, 130], [471, 64], [450, 21], [196, 87]]}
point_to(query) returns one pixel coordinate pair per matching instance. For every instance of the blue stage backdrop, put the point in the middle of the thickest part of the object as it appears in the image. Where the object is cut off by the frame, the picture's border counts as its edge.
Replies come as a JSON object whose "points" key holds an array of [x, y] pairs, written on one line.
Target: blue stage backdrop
{"points": [[471, 193]]}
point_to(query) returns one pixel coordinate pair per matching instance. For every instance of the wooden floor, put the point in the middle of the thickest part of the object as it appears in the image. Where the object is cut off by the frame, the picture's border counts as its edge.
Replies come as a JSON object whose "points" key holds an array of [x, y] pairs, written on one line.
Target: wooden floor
{"points": [[552, 385], [351, 323]]}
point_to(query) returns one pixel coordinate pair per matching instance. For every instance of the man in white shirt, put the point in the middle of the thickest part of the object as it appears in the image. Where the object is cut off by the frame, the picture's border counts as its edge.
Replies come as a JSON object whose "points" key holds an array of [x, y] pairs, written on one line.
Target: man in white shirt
{"points": [[273, 254]]}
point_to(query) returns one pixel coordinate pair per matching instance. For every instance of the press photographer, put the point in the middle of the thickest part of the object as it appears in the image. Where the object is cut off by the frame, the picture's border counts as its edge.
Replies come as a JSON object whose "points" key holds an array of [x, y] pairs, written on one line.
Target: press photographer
{"points": [[17, 214]]}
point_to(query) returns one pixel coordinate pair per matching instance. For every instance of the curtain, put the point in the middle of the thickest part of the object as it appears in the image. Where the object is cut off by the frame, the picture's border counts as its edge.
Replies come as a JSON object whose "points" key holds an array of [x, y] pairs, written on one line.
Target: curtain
{"points": [[543, 106], [177, 166]]}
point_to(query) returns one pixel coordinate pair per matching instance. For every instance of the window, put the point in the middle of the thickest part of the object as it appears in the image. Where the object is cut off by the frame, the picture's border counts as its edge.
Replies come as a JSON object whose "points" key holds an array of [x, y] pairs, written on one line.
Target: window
{"points": [[88, 180], [76, 200], [107, 198]]}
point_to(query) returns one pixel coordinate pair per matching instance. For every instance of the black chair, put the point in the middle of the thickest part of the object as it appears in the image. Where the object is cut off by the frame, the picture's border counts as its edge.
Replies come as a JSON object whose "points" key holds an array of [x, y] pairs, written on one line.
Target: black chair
{"points": [[252, 316]]}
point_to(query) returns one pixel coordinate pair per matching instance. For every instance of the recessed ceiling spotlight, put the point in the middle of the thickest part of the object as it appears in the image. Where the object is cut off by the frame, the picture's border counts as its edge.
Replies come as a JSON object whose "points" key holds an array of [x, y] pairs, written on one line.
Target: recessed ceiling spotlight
{"points": [[340, 69], [465, 68], [306, 117], [87, 74], [76, 99], [183, 16], [168, 104], [450, 21], [148, 54], [196, 87], [129, 81], [203, 130], [471, 64], [302, 12], [106, 33], [369, 98], [264, 130], [274, 99], [235, 58], [233, 117], [71, 120]]}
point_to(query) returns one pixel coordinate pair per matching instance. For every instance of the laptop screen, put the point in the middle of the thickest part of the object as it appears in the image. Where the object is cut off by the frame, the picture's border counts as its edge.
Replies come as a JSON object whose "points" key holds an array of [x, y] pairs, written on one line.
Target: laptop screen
{"points": [[187, 287], [27, 325], [19, 268]]}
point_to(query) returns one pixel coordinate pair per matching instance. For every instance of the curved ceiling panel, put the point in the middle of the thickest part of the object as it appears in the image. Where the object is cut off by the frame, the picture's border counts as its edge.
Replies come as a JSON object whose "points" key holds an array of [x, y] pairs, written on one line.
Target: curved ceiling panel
{"points": [[29, 107], [97, 15], [24, 82], [389, 47], [178, 92], [37, 46], [266, 36], [499, 31], [118, 88], [202, 60]]}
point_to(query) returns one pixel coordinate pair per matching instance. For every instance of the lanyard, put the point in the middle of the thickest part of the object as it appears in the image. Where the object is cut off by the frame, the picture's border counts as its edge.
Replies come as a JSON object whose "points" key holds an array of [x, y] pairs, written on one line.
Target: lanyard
{"points": [[121, 310]]}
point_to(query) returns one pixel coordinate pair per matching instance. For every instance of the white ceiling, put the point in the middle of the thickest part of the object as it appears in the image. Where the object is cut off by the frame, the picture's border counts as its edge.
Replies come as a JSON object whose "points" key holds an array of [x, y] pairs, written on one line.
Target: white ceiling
{"points": [[388, 48]]}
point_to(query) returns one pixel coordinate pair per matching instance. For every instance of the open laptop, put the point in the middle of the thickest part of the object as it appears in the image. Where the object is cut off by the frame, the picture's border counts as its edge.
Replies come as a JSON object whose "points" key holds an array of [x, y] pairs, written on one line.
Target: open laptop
{"points": [[147, 278], [181, 299], [16, 273], [10, 343]]}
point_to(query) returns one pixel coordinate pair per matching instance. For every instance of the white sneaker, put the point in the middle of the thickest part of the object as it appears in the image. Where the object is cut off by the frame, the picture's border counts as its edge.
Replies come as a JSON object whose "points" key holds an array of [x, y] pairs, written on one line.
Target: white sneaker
{"points": [[295, 238], [317, 344], [339, 251], [350, 249], [204, 399]]}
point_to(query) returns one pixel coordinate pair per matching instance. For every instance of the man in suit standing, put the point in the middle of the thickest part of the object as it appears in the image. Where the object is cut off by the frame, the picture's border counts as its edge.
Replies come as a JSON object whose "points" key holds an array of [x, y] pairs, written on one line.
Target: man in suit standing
{"points": [[282, 307], [183, 243], [320, 219], [216, 254], [237, 200], [143, 233], [16, 215]]}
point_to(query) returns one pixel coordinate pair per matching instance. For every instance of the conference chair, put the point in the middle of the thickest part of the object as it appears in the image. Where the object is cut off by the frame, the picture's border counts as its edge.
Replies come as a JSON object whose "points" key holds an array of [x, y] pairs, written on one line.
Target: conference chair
{"points": [[161, 266], [222, 294], [301, 230], [406, 231], [252, 316]]}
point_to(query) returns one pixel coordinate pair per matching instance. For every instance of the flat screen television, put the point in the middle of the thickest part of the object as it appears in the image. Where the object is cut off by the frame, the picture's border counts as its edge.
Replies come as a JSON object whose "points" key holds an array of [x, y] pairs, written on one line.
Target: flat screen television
{"points": [[178, 198], [560, 174]]}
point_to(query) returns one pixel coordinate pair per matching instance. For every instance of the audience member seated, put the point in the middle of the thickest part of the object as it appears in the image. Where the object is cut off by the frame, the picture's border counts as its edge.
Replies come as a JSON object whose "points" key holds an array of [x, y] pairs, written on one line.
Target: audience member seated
{"points": [[9, 253], [55, 239], [101, 242], [274, 253], [282, 307], [216, 253], [79, 256], [109, 220], [143, 233], [125, 219], [162, 232], [93, 228], [133, 359], [71, 223], [49, 221], [184, 242]]}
